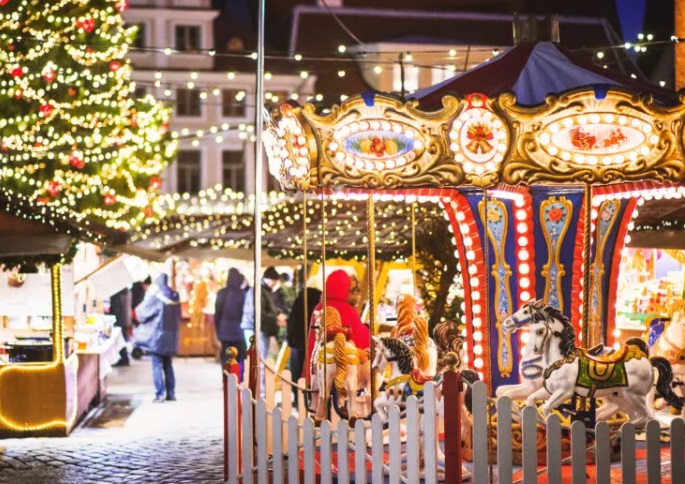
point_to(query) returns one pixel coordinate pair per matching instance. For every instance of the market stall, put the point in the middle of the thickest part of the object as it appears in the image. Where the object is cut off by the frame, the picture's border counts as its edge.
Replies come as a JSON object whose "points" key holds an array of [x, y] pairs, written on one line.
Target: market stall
{"points": [[44, 389]]}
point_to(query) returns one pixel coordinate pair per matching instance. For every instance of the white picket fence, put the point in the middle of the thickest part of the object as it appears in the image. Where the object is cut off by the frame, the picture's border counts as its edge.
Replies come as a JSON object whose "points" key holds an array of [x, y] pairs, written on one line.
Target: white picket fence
{"points": [[268, 444]]}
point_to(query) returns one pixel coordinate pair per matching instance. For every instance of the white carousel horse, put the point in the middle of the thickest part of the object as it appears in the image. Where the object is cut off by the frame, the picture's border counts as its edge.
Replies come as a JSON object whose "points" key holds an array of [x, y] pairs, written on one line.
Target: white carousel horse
{"points": [[336, 360], [671, 346], [405, 380], [575, 371]]}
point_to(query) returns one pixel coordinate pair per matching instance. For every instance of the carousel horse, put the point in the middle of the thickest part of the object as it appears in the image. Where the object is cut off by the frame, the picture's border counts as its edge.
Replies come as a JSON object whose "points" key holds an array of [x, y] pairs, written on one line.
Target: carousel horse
{"points": [[405, 380], [669, 343], [412, 329], [336, 360], [626, 375]]}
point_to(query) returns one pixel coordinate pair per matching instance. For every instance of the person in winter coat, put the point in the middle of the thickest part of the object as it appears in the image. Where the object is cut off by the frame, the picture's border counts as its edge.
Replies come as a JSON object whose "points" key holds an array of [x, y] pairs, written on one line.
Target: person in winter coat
{"points": [[160, 315], [228, 313], [337, 294], [297, 325], [271, 317]]}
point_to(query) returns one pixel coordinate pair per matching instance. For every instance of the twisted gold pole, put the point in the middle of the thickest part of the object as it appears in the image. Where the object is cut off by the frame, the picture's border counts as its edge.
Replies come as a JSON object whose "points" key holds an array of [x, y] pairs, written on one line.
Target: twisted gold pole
{"points": [[305, 271], [57, 326], [587, 240], [371, 282], [323, 319]]}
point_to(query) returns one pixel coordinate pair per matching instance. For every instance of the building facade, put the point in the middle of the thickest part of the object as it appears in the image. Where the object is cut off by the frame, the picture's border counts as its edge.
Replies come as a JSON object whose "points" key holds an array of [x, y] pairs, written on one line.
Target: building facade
{"points": [[210, 87]]}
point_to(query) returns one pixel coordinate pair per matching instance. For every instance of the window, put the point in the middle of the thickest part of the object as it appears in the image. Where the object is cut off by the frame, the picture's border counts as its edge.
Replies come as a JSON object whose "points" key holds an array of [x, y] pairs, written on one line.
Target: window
{"points": [[233, 103], [411, 78], [187, 38], [139, 40], [233, 170], [188, 102], [442, 73], [188, 171]]}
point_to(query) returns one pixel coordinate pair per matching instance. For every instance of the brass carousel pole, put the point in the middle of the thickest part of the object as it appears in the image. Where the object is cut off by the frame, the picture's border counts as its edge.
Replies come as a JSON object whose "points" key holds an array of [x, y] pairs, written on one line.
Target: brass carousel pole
{"points": [[413, 246], [486, 313], [371, 282], [57, 326], [587, 337], [322, 322], [305, 271]]}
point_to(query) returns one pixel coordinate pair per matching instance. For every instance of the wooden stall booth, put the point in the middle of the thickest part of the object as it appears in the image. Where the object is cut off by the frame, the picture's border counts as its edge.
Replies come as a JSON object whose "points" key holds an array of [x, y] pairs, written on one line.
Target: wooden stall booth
{"points": [[45, 385]]}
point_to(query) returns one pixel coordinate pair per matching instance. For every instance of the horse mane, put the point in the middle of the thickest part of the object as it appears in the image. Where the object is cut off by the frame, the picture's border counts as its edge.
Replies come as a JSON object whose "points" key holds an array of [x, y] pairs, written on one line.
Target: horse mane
{"points": [[567, 345], [447, 338], [402, 354], [410, 322]]}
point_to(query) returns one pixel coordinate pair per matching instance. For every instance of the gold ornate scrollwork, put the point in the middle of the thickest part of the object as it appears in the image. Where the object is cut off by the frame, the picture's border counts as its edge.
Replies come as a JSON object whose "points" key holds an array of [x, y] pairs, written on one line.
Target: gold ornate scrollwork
{"points": [[386, 143], [579, 138]]}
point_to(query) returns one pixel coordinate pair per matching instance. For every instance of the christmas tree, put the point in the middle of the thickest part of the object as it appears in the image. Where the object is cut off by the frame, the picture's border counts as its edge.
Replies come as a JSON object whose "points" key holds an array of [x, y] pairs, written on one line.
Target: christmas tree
{"points": [[71, 134]]}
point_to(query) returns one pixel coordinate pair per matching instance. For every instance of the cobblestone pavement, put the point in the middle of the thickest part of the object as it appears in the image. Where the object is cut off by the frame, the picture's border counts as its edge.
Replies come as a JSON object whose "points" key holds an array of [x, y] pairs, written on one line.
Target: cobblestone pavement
{"points": [[169, 443]]}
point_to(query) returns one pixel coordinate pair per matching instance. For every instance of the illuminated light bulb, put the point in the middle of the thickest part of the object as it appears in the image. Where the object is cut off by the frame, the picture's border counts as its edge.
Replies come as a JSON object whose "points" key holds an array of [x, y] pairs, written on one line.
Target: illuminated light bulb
{"points": [[230, 76], [524, 268], [377, 69], [478, 363], [298, 57], [342, 48], [525, 296], [341, 73], [304, 74]]}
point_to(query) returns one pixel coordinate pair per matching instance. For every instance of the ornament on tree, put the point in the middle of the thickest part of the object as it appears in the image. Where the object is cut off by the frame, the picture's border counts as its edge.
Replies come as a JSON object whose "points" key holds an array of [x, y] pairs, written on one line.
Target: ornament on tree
{"points": [[72, 91], [114, 66], [43, 200], [134, 118], [18, 71], [110, 199], [76, 160], [155, 183], [149, 212], [87, 24], [121, 5], [49, 75], [4, 2], [54, 188], [46, 110]]}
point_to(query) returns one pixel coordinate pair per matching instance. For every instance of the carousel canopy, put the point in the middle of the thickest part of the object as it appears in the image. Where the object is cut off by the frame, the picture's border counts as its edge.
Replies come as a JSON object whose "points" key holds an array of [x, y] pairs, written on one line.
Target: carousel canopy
{"points": [[533, 71]]}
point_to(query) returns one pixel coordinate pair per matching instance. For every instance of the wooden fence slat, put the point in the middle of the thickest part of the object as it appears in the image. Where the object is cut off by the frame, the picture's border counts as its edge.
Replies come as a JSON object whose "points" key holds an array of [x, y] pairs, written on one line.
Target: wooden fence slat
{"points": [[628, 453], [653, 452], [278, 446], [359, 452], [504, 452], [578, 475], [603, 452], [293, 451], [270, 400], [301, 409], [343, 455], [530, 445], [430, 438], [677, 450], [377, 475], [325, 453], [261, 418], [248, 441], [480, 432], [286, 396], [233, 434], [413, 471], [309, 456], [395, 444], [553, 449]]}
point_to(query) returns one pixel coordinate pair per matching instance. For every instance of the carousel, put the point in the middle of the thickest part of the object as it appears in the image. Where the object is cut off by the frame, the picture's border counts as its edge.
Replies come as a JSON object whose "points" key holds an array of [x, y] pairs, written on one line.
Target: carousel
{"points": [[540, 161]]}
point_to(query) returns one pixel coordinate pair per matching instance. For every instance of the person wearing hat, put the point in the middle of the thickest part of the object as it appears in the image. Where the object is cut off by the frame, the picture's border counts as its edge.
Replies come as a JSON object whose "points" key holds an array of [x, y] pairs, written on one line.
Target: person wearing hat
{"points": [[271, 317]]}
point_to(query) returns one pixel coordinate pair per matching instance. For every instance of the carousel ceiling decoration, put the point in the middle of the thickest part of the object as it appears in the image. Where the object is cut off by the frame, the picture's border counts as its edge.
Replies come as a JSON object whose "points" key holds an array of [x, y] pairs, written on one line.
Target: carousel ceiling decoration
{"points": [[554, 120]]}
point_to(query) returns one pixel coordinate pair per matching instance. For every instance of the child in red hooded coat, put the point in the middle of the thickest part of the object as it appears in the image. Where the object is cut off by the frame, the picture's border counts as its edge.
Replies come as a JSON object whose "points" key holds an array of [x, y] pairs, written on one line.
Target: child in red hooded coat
{"points": [[337, 291]]}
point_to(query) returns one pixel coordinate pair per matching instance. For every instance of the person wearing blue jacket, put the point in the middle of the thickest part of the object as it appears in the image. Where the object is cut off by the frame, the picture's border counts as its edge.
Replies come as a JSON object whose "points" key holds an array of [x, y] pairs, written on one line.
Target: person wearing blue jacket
{"points": [[228, 314], [160, 317]]}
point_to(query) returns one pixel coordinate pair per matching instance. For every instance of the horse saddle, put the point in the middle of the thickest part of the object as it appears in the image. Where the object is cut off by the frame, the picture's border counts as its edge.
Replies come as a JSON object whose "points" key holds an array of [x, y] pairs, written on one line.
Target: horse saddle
{"points": [[595, 355]]}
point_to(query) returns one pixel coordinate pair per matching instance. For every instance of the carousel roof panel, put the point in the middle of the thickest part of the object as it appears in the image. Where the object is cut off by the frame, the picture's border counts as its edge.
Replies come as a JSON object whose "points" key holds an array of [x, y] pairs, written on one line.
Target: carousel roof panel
{"points": [[532, 72]]}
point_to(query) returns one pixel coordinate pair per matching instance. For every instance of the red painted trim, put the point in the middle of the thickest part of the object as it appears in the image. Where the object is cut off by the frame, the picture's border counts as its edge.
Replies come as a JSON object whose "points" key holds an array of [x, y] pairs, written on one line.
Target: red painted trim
{"points": [[576, 280], [530, 235], [616, 266], [466, 280]]}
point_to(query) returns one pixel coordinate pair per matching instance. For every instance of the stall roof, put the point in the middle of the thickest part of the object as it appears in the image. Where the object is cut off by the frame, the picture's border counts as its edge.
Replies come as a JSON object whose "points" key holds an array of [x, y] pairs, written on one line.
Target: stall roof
{"points": [[27, 229], [227, 230], [533, 71]]}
